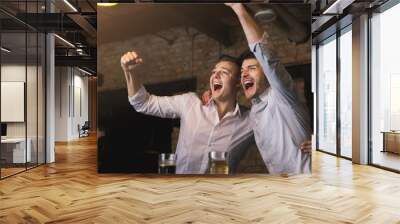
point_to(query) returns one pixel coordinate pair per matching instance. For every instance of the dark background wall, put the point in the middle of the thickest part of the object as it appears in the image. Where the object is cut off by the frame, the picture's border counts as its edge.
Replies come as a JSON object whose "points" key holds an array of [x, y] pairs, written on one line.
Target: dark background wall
{"points": [[179, 45]]}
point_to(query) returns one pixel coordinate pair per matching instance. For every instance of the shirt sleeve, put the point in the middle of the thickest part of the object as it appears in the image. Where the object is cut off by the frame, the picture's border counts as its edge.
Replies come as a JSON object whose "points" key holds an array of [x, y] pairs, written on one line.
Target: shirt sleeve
{"points": [[160, 106], [277, 75]]}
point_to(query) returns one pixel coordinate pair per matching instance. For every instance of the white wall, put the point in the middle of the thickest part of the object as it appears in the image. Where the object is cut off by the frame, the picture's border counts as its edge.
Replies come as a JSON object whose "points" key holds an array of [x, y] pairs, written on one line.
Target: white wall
{"points": [[62, 81], [80, 110], [17, 73], [14, 73], [71, 87], [12, 101]]}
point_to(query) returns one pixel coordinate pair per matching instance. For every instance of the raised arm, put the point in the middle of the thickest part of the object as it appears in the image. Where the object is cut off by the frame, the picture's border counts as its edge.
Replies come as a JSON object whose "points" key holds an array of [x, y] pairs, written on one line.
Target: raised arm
{"points": [[129, 61], [250, 27], [277, 76], [142, 101]]}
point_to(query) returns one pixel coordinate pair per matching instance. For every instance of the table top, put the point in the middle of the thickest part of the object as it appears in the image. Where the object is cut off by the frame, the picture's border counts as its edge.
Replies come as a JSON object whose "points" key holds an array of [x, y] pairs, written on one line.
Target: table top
{"points": [[390, 132], [13, 140]]}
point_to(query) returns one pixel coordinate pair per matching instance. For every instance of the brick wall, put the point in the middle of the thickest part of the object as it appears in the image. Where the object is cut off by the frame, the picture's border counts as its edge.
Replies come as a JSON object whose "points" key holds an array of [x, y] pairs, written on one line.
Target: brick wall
{"points": [[192, 54]]}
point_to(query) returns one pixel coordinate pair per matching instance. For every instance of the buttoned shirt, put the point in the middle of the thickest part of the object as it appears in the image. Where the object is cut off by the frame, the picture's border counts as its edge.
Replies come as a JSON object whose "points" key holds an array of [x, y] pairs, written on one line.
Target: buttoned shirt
{"points": [[201, 130], [280, 120]]}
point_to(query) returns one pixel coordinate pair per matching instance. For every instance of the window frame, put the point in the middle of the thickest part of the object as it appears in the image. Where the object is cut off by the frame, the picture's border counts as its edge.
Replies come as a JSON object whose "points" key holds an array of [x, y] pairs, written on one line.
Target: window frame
{"points": [[347, 27]]}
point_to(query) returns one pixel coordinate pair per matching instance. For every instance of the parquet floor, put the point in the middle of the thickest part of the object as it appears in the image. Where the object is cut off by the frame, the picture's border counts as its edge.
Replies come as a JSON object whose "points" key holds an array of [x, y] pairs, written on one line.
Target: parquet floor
{"points": [[71, 191], [10, 171]]}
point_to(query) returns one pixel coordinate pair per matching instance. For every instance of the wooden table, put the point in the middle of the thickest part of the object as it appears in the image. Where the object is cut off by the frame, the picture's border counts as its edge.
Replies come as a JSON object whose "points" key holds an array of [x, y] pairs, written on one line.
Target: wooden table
{"points": [[391, 141]]}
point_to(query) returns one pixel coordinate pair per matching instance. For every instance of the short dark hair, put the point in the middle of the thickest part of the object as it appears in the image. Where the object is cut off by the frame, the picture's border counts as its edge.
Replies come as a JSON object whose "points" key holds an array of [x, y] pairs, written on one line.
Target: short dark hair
{"points": [[234, 60], [245, 55]]}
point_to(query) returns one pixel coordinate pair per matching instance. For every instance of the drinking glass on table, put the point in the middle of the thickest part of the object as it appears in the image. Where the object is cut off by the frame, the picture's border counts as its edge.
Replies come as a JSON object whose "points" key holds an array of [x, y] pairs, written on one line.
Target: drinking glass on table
{"points": [[218, 162], [166, 163]]}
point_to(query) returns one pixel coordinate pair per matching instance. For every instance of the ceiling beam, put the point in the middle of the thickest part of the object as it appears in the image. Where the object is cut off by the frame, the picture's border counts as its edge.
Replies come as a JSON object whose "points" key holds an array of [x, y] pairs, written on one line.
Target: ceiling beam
{"points": [[81, 61], [84, 24], [49, 22]]}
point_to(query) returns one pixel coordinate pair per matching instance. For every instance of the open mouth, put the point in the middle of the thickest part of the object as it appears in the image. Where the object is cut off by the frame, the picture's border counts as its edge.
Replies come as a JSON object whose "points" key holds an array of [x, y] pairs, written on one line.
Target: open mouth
{"points": [[247, 84], [217, 86]]}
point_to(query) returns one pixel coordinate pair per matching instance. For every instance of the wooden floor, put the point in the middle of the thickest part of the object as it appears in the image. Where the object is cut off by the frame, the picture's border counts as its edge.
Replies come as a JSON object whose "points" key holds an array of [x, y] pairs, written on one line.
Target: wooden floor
{"points": [[71, 191], [387, 159], [5, 172]]}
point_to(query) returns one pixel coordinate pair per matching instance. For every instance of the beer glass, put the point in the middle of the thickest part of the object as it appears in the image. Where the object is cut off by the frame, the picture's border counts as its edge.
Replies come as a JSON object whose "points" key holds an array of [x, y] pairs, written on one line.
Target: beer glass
{"points": [[218, 162], [166, 163]]}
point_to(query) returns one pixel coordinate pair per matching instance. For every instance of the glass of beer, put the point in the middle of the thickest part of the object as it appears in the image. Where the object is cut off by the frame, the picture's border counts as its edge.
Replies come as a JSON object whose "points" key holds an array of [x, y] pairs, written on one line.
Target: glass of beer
{"points": [[166, 163], [218, 162]]}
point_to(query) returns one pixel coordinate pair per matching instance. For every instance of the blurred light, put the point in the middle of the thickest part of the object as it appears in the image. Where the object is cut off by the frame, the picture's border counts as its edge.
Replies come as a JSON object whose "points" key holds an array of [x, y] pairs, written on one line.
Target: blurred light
{"points": [[338, 6], [84, 71], [70, 5], [266, 15], [106, 4], [64, 40], [79, 51], [5, 50]]}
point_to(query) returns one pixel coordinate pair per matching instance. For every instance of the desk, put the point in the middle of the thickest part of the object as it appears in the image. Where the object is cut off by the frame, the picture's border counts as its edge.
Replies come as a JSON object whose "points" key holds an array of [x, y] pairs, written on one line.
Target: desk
{"points": [[13, 150], [391, 141]]}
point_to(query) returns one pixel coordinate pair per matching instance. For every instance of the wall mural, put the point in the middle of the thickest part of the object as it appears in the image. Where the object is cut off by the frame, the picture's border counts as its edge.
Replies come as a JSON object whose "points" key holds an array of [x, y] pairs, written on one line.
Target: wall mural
{"points": [[204, 89]]}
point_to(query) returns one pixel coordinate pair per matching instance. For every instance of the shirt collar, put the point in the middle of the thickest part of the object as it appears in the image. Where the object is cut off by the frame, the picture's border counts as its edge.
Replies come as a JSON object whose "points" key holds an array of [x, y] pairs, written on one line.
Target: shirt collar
{"points": [[235, 112], [263, 97]]}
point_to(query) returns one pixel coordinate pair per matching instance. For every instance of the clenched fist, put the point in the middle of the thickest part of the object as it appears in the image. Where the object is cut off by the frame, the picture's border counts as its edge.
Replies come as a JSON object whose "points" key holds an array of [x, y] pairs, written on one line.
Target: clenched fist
{"points": [[130, 60]]}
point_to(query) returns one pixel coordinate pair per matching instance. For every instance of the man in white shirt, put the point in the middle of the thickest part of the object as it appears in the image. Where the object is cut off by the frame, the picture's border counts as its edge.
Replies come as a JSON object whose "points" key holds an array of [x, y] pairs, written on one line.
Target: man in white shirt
{"points": [[222, 125], [279, 119]]}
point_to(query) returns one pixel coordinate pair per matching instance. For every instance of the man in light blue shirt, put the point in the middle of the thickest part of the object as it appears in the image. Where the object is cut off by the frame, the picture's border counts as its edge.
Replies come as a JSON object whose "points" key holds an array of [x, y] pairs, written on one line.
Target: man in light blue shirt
{"points": [[279, 119]]}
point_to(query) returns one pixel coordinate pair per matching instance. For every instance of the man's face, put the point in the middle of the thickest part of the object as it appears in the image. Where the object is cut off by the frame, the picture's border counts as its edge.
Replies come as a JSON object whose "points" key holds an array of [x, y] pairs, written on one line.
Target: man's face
{"points": [[253, 79], [224, 80]]}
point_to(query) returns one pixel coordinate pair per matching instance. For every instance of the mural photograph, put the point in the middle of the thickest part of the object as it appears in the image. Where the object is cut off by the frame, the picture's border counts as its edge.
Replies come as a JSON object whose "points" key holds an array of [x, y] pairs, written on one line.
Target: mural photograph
{"points": [[204, 89]]}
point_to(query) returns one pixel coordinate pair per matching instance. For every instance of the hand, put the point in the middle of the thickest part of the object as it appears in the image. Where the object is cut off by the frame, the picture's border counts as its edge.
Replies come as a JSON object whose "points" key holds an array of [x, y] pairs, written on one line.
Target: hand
{"points": [[306, 147], [130, 60], [205, 98]]}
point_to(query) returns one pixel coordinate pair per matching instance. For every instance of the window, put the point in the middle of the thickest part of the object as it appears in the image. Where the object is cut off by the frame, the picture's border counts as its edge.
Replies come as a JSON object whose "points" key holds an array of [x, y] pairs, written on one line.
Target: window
{"points": [[346, 92], [22, 78], [326, 61], [334, 106], [385, 89]]}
